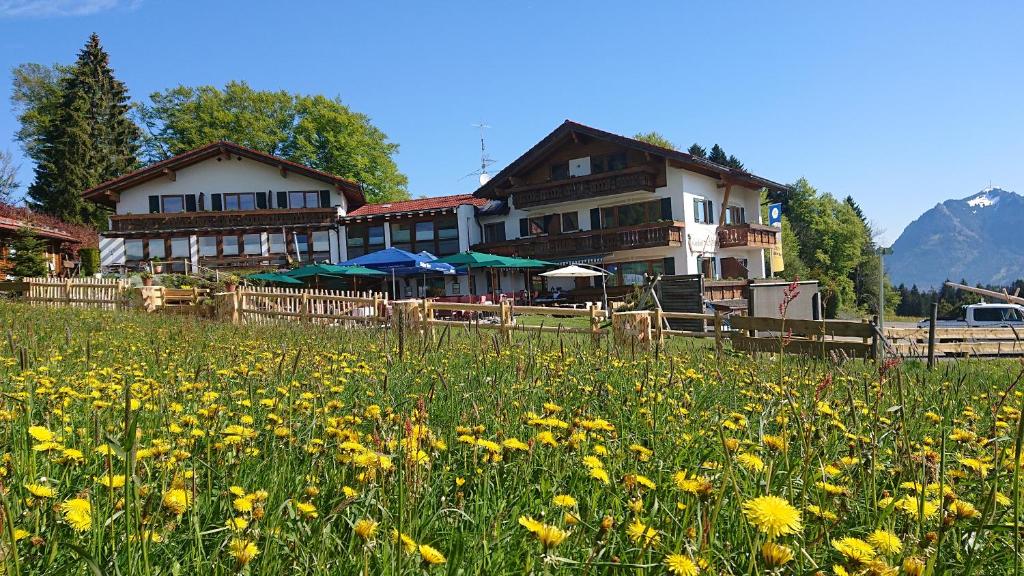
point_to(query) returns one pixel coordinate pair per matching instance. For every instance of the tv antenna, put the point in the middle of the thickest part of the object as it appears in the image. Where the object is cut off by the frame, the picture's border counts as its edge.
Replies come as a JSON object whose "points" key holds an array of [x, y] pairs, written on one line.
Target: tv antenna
{"points": [[485, 160]]}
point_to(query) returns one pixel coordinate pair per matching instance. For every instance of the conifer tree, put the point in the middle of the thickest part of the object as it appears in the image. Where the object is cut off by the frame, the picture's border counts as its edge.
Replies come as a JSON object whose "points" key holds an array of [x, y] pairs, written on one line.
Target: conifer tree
{"points": [[718, 156], [29, 257], [697, 151], [93, 139]]}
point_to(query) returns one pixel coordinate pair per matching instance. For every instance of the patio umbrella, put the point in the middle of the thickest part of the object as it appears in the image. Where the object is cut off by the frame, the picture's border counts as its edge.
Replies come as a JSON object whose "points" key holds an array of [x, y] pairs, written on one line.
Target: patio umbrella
{"points": [[274, 278], [576, 271], [401, 263], [470, 259]]}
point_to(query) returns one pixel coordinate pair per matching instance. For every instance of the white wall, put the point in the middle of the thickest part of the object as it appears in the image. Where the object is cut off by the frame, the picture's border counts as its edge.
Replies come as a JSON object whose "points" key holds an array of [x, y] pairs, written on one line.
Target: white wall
{"points": [[215, 177], [111, 251]]}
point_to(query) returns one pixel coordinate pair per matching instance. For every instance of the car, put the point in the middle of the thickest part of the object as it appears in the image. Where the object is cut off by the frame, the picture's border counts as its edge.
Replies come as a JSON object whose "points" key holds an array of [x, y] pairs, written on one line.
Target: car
{"points": [[982, 316]]}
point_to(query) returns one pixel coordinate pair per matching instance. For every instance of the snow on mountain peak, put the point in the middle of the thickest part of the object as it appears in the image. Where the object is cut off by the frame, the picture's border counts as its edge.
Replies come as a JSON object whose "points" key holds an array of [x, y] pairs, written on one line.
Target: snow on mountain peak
{"points": [[982, 200]]}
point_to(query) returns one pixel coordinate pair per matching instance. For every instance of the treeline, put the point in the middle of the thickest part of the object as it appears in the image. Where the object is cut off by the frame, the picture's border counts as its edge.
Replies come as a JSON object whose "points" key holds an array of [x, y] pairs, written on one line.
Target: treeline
{"points": [[918, 303], [80, 127]]}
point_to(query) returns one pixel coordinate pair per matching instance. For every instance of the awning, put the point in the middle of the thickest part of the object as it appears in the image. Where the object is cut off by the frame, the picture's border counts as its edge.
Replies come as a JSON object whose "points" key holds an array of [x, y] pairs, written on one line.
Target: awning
{"points": [[596, 259]]}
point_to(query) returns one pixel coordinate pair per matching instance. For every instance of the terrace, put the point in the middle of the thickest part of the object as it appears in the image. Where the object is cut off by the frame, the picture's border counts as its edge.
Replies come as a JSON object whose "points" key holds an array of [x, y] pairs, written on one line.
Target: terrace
{"points": [[595, 185], [653, 235], [747, 236], [210, 221]]}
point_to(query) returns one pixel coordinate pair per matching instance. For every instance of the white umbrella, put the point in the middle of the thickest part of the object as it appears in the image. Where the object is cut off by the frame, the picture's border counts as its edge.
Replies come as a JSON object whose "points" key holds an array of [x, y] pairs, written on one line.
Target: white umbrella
{"points": [[574, 271]]}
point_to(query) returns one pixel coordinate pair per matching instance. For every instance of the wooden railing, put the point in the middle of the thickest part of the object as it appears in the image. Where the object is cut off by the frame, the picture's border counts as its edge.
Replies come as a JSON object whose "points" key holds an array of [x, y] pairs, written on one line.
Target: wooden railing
{"points": [[747, 236], [250, 305], [641, 178], [962, 341], [240, 220], [658, 234], [806, 337]]}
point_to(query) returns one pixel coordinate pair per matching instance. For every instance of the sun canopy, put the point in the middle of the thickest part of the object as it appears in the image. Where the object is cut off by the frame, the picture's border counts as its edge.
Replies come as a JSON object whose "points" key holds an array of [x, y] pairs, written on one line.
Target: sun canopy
{"points": [[316, 270], [360, 271], [274, 277], [572, 272], [477, 259], [401, 263]]}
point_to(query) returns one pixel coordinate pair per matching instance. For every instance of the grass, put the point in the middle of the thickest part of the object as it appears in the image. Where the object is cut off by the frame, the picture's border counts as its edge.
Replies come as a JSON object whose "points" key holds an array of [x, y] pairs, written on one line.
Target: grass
{"points": [[204, 448]]}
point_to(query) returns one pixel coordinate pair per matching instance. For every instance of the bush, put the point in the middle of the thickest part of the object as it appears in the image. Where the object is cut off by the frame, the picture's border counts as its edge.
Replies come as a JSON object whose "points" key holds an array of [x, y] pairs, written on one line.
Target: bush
{"points": [[90, 258]]}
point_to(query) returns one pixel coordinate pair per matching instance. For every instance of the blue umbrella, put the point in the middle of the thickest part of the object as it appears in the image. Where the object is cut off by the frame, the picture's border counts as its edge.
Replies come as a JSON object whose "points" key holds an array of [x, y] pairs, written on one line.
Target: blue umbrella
{"points": [[401, 263]]}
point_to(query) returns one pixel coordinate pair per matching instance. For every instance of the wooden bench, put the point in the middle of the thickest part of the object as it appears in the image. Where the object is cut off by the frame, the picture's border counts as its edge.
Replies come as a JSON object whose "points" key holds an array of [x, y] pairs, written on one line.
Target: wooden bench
{"points": [[183, 296]]}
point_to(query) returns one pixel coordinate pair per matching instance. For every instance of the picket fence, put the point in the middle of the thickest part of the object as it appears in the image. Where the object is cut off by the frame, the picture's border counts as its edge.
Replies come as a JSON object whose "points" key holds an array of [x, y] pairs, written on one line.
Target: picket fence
{"points": [[260, 305], [108, 294]]}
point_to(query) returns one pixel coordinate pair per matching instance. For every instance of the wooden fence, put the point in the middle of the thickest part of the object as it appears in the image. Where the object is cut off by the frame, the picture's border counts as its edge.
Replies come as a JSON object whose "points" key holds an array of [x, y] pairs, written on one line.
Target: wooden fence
{"points": [[808, 337], [251, 305], [913, 342], [108, 294]]}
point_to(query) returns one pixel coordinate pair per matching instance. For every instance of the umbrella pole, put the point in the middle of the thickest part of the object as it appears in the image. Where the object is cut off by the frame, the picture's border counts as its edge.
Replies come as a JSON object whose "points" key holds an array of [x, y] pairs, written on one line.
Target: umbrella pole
{"points": [[394, 288]]}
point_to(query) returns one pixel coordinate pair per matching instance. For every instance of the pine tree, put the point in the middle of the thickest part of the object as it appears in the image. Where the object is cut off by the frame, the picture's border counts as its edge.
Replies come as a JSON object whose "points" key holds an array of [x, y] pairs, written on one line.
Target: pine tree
{"points": [[29, 257], [698, 151], [92, 141], [718, 156], [734, 162]]}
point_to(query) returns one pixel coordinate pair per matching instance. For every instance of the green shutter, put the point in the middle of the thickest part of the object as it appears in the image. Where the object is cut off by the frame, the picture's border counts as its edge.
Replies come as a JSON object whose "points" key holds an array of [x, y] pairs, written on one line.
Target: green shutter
{"points": [[325, 198], [524, 227], [261, 200], [154, 204], [666, 208], [216, 202], [190, 202], [669, 264], [595, 218], [282, 199]]}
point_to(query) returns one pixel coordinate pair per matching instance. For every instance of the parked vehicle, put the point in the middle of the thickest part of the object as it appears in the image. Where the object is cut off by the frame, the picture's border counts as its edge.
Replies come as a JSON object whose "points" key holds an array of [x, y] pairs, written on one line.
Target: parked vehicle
{"points": [[982, 316]]}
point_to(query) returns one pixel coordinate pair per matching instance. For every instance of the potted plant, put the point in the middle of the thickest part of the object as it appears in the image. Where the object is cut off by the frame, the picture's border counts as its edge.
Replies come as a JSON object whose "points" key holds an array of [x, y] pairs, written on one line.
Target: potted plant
{"points": [[230, 282], [147, 278]]}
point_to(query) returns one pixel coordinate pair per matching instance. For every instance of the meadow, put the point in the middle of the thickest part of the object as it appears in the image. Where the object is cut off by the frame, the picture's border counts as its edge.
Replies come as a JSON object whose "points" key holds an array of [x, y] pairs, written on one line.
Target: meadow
{"points": [[135, 444]]}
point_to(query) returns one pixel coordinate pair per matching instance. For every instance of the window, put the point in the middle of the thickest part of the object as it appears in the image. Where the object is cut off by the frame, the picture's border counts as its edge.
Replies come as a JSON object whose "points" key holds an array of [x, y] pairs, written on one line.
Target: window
{"points": [[616, 161], [735, 215], [302, 245], [207, 245], [304, 199], [253, 244], [156, 248], [277, 244], [494, 232], [364, 238], [447, 230], [707, 267], [240, 201], [321, 241], [702, 211], [179, 248], [631, 273], [570, 221], [230, 245], [560, 171], [401, 235], [425, 232], [538, 225], [134, 250], [632, 215], [172, 204]]}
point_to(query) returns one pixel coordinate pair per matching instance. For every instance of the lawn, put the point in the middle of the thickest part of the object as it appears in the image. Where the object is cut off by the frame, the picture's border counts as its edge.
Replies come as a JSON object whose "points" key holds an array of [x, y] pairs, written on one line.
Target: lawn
{"points": [[134, 444]]}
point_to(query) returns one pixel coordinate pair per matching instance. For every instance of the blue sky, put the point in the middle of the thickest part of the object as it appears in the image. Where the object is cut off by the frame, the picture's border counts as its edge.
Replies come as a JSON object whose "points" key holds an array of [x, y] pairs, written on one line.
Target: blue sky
{"points": [[899, 104]]}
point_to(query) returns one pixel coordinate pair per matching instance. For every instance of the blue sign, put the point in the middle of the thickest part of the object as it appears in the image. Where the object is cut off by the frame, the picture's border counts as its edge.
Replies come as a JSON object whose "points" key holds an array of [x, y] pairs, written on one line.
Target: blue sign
{"points": [[775, 215]]}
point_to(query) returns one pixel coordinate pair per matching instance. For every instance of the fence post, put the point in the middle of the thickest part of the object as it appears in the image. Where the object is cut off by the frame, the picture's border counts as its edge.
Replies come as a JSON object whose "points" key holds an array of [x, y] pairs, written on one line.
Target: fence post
{"points": [[595, 322], [718, 332], [305, 308], [426, 316], [505, 315], [931, 335], [658, 320], [67, 292]]}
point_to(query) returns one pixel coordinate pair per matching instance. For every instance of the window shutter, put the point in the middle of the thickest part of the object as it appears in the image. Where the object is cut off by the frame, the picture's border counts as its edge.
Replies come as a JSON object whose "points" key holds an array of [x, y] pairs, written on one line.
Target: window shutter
{"points": [[666, 208], [261, 200], [524, 227], [711, 212], [282, 199], [548, 228], [595, 218], [215, 203], [154, 204], [190, 202], [202, 201], [325, 198], [669, 264]]}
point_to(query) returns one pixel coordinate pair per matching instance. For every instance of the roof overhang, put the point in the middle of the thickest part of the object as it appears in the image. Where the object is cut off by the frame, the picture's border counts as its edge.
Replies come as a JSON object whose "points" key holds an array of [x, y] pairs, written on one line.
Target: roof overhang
{"points": [[108, 192]]}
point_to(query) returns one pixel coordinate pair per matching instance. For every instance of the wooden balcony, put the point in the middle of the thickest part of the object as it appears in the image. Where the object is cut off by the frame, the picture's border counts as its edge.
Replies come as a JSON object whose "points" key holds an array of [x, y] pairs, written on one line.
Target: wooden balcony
{"points": [[747, 236], [668, 233], [606, 184], [236, 220]]}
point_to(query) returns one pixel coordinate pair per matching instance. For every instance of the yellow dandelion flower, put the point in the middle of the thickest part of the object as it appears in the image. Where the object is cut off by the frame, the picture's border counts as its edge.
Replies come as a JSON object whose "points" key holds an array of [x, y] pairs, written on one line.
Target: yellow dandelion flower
{"points": [[408, 544], [365, 528], [40, 433], [237, 524], [551, 536], [680, 565], [638, 531], [40, 491], [854, 549], [431, 555], [176, 500], [242, 550], [77, 513], [773, 515], [114, 481], [776, 555], [751, 462], [885, 541], [564, 501], [307, 509]]}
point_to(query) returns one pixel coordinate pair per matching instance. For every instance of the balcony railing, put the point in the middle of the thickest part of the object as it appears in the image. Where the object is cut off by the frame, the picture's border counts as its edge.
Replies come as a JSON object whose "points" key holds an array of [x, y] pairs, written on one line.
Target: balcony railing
{"points": [[583, 187], [653, 235], [747, 236], [226, 220]]}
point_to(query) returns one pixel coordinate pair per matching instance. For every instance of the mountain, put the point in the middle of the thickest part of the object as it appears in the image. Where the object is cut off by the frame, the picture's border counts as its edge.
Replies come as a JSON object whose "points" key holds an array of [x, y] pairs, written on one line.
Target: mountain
{"points": [[978, 238]]}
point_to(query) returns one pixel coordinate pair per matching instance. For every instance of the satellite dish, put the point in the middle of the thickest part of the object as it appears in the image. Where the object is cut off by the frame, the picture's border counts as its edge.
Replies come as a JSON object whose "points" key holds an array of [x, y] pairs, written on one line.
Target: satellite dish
{"points": [[484, 178]]}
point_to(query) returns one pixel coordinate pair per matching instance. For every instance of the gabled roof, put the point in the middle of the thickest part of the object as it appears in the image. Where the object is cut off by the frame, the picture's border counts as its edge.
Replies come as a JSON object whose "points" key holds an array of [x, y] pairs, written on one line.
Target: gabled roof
{"points": [[14, 218], [683, 159], [352, 190], [421, 205]]}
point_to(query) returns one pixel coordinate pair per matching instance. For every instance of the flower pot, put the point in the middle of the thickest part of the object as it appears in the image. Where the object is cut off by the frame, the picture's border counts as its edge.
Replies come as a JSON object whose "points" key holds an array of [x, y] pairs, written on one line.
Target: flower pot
{"points": [[230, 286], [147, 281]]}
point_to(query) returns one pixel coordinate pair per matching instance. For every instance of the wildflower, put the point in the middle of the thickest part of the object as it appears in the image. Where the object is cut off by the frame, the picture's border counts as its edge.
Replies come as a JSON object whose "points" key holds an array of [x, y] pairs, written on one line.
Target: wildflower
{"points": [[697, 485], [40, 433], [885, 541], [913, 566], [832, 489], [77, 513], [529, 523], [115, 481], [176, 500], [40, 491], [514, 444], [431, 555], [564, 501], [408, 544], [237, 524], [546, 437], [551, 536], [776, 555], [639, 480], [242, 550], [816, 510], [306, 509], [638, 531], [680, 565], [854, 549], [772, 515], [962, 510], [365, 528], [600, 474], [751, 462], [243, 504], [979, 467]]}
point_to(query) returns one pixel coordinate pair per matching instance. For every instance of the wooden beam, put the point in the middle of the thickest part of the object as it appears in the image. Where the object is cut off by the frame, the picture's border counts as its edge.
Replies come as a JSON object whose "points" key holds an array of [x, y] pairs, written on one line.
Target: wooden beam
{"points": [[575, 137], [725, 202], [283, 170], [114, 196], [171, 174]]}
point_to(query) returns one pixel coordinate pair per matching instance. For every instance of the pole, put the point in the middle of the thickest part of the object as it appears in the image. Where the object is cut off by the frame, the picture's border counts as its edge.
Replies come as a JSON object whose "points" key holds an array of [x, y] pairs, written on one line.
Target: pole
{"points": [[881, 299], [931, 335]]}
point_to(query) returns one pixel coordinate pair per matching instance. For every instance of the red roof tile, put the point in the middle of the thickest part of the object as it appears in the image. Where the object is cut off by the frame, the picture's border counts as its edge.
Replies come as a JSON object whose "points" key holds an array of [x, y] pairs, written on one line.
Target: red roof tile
{"points": [[437, 203]]}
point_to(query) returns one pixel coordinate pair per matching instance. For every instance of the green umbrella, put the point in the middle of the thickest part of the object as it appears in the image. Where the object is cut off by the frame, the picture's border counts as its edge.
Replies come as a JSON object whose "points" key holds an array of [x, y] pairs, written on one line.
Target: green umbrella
{"points": [[312, 270], [359, 271], [512, 262], [478, 259], [274, 277]]}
